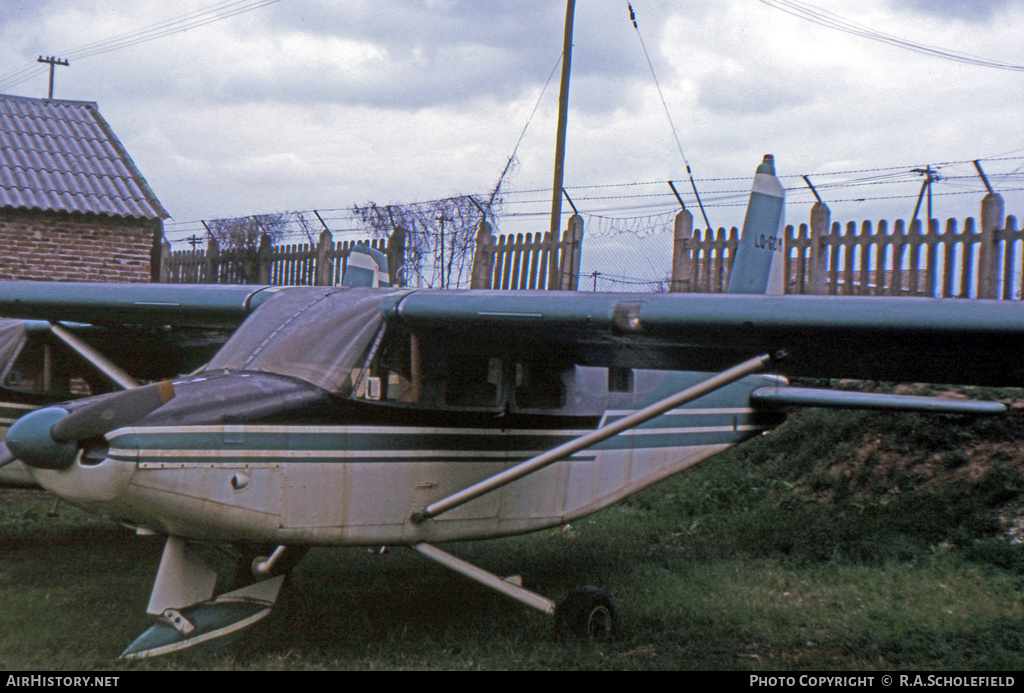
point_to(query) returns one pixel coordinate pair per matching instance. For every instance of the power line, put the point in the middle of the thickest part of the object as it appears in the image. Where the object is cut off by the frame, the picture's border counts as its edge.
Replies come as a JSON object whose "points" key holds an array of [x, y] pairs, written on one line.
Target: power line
{"points": [[512, 157], [175, 25], [828, 19]]}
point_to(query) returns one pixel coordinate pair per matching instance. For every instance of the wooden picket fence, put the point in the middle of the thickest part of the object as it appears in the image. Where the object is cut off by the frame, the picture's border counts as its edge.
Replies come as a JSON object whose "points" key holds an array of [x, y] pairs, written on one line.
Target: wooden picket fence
{"points": [[299, 264], [981, 258], [972, 259], [530, 261]]}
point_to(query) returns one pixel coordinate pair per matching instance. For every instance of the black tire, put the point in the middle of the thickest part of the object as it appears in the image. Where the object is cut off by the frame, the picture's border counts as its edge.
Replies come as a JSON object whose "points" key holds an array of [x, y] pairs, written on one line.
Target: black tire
{"points": [[588, 613]]}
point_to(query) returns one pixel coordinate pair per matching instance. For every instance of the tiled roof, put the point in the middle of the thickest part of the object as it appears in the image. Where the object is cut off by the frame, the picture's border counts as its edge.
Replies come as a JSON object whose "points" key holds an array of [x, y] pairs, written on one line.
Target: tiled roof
{"points": [[62, 156]]}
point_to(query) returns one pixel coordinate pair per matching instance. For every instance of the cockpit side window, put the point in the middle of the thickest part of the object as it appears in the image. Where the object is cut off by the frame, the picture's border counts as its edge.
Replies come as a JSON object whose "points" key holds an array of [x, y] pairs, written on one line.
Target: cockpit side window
{"points": [[399, 369]]}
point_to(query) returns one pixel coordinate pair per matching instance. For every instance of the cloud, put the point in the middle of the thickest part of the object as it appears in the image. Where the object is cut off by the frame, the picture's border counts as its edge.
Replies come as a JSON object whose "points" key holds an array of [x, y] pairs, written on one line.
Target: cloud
{"points": [[413, 55], [22, 10], [748, 93], [308, 104]]}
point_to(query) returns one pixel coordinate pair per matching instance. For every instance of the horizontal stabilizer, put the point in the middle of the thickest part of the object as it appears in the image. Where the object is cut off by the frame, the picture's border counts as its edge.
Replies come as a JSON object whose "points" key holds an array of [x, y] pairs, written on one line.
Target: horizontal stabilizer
{"points": [[844, 399]]}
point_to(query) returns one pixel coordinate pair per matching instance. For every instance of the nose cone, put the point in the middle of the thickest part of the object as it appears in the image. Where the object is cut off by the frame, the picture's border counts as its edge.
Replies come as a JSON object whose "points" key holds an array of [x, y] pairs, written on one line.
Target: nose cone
{"points": [[30, 441], [94, 485]]}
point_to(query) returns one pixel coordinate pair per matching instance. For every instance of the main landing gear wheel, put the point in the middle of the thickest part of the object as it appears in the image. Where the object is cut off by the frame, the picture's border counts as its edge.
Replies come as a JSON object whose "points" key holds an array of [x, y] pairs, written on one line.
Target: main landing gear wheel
{"points": [[587, 613]]}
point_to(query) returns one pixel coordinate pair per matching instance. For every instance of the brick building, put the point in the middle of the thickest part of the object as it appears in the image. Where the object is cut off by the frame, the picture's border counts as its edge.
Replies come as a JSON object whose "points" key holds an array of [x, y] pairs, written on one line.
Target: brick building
{"points": [[73, 206]]}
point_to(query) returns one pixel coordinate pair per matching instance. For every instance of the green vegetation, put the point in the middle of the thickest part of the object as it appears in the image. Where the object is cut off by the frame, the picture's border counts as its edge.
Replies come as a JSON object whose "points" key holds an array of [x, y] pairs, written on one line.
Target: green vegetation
{"points": [[843, 540]]}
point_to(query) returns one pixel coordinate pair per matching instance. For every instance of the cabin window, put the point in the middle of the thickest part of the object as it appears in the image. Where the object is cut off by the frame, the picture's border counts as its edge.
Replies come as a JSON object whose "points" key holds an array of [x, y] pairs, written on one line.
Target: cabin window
{"points": [[473, 381], [539, 386], [397, 367], [620, 379], [46, 369]]}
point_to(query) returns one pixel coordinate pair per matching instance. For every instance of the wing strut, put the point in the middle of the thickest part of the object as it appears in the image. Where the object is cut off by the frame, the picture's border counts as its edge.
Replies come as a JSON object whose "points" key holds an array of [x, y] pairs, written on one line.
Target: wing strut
{"points": [[596, 436], [98, 360]]}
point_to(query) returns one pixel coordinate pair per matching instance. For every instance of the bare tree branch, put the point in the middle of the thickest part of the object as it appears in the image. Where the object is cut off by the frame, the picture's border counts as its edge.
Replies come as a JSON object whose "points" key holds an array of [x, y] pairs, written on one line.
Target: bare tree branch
{"points": [[242, 235], [440, 235]]}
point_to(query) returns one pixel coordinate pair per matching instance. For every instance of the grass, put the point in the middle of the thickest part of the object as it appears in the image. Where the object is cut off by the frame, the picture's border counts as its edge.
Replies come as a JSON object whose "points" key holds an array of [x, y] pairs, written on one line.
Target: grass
{"points": [[842, 541]]}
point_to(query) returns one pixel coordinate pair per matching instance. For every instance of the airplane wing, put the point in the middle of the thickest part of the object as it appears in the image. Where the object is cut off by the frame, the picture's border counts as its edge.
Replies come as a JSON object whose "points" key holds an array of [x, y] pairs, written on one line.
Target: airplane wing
{"points": [[900, 339], [194, 305], [151, 331]]}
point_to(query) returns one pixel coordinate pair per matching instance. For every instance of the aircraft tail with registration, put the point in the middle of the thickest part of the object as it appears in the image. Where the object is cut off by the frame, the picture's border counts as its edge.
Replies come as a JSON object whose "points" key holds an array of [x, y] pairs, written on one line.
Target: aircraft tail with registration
{"points": [[366, 267], [760, 256]]}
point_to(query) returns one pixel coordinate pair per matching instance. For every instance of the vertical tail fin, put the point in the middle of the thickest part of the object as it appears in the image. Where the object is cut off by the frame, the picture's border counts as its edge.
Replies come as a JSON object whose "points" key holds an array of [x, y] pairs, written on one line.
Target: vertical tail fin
{"points": [[760, 257], [366, 266]]}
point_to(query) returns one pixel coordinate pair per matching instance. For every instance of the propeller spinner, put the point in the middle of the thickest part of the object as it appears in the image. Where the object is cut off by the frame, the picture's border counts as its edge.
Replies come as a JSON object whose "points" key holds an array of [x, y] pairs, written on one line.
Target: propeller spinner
{"points": [[48, 438]]}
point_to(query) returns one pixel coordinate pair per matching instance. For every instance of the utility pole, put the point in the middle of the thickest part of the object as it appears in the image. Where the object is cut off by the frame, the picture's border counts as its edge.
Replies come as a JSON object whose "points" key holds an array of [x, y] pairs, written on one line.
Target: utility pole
{"points": [[444, 275], [563, 115], [52, 61], [930, 176]]}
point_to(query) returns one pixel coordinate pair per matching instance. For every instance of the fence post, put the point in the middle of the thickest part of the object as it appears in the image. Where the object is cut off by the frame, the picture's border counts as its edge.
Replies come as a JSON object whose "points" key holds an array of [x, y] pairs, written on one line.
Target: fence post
{"points": [[396, 256], [821, 222], [571, 255], [263, 260], [993, 216], [322, 271], [682, 263], [483, 258], [212, 265]]}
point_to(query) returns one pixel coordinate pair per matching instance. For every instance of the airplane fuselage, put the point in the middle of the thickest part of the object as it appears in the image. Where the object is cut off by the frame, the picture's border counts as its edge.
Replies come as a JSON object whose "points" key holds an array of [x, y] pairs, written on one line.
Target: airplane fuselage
{"points": [[273, 459]]}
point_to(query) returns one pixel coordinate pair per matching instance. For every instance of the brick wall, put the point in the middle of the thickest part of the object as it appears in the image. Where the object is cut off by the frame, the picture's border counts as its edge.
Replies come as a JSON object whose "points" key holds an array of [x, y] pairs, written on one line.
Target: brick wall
{"points": [[43, 246]]}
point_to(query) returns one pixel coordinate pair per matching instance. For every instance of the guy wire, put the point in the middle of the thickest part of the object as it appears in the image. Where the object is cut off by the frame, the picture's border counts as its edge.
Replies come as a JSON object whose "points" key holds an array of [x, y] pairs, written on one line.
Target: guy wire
{"points": [[632, 18]]}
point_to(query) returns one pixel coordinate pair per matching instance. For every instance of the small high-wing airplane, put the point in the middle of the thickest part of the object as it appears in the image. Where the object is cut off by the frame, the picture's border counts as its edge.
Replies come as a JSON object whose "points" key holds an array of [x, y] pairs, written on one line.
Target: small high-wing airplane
{"points": [[403, 417]]}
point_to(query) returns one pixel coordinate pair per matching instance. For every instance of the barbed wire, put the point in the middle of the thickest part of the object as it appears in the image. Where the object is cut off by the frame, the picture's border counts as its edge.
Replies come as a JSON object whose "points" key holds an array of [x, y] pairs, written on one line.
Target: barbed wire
{"points": [[639, 226], [641, 210]]}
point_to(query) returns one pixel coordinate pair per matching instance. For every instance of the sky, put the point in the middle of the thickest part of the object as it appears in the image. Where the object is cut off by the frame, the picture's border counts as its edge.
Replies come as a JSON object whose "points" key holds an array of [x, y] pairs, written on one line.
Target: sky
{"points": [[270, 106]]}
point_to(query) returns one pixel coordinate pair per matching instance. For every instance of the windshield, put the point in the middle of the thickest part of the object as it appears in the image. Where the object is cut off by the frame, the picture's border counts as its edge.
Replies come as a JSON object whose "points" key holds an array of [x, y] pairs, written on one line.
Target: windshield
{"points": [[320, 335]]}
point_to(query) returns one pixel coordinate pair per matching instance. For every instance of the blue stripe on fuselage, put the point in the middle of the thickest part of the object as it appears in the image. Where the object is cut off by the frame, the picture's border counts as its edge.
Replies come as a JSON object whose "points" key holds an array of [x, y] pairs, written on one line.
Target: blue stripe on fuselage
{"points": [[358, 444]]}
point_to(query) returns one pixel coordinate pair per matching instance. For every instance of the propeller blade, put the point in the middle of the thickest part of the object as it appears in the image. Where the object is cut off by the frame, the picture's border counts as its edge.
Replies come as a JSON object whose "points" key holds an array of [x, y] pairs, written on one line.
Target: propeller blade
{"points": [[111, 412]]}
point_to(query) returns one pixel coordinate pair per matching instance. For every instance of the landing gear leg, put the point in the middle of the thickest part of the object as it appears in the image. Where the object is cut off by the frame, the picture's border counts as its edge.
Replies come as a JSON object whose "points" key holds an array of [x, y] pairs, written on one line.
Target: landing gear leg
{"points": [[187, 615], [586, 612], [509, 589]]}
